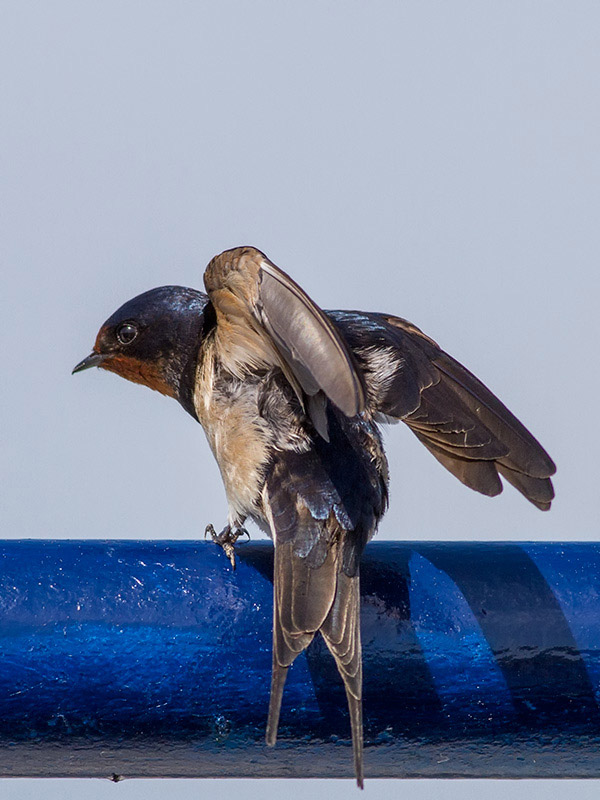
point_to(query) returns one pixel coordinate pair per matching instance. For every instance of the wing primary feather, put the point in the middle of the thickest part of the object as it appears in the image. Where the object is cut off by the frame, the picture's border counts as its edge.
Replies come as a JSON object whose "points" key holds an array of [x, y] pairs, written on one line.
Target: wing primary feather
{"points": [[309, 341], [538, 491], [533, 459], [481, 476]]}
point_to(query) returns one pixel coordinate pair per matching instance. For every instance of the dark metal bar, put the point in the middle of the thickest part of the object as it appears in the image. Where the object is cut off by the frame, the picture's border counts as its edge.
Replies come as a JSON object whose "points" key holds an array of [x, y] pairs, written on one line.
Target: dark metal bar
{"points": [[144, 659]]}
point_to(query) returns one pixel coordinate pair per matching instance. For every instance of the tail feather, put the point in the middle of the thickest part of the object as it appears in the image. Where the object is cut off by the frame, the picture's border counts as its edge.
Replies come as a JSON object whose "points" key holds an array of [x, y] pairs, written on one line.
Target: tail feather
{"points": [[356, 724], [278, 679], [302, 598], [307, 601], [341, 632]]}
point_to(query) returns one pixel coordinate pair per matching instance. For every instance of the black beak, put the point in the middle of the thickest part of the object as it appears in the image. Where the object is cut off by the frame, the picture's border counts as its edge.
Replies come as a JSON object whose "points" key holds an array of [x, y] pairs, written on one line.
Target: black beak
{"points": [[93, 360]]}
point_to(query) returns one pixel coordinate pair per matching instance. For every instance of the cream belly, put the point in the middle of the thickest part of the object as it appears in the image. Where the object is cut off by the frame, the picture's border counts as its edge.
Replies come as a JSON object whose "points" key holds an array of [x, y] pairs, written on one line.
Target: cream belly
{"points": [[237, 437]]}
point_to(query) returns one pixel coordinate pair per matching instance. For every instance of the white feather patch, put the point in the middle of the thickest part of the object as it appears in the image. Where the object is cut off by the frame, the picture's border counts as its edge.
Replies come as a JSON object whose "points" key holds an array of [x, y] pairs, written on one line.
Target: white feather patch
{"points": [[382, 366]]}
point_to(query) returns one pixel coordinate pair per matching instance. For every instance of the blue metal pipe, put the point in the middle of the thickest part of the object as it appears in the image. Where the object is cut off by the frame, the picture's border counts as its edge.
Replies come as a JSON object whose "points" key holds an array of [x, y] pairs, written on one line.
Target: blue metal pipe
{"points": [[144, 659]]}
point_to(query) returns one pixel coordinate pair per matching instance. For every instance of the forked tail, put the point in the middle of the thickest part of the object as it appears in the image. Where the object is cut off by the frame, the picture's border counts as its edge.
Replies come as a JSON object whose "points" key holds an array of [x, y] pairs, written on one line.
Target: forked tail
{"points": [[308, 600]]}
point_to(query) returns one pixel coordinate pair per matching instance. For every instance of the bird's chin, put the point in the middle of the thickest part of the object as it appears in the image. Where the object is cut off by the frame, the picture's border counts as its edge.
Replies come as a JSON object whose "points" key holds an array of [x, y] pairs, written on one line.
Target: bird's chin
{"points": [[148, 373]]}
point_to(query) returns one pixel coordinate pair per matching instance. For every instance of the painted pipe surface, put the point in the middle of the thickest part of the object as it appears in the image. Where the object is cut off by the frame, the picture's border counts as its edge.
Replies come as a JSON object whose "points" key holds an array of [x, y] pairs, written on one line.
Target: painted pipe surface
{"points": [[148, 659]]}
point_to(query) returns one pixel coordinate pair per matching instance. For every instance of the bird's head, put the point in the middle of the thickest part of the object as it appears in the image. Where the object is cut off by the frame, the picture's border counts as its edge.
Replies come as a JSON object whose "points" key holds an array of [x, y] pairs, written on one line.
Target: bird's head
{"points": [[154, 340]]}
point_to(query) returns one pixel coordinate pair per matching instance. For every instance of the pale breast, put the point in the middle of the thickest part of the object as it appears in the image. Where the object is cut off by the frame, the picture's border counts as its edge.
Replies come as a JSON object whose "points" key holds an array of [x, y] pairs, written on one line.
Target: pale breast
{"points": [[227, 410]]}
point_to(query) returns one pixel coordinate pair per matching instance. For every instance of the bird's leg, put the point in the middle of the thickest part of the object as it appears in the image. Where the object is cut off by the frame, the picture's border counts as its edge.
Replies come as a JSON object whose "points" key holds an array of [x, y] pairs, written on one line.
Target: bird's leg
{"points": [[227, 539]]}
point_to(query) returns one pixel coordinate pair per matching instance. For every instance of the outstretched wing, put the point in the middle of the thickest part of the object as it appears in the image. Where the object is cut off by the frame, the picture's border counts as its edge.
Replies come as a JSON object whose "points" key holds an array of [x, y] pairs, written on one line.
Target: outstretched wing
{"points": [[449, 410], [265, 319]]}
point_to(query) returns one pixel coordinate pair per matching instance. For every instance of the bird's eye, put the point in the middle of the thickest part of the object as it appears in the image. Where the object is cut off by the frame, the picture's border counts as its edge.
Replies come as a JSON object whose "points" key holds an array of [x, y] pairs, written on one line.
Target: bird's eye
{"points": [[127, 332]]}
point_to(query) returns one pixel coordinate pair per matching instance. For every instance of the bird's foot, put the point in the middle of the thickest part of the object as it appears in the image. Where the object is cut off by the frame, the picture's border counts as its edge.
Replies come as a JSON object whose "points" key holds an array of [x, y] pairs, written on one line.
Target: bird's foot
{"points": [[226, 539]]}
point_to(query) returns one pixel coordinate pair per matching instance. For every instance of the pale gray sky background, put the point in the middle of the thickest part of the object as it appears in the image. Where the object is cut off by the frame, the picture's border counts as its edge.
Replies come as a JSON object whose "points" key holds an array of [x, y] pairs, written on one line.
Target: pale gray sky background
{"points": [[438, 160]]}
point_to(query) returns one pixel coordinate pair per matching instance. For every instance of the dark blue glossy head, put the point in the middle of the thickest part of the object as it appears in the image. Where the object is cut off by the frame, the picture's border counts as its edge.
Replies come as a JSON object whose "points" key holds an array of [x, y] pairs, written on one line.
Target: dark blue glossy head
{"points": [[154, 340]]}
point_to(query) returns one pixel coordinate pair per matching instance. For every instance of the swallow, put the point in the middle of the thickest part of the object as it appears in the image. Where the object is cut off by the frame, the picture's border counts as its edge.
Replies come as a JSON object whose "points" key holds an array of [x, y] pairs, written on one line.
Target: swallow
{"points": [[291, 399]]}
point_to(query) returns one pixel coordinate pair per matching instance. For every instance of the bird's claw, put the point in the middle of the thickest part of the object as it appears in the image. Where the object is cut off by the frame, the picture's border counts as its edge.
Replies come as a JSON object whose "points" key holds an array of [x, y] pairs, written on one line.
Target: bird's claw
{"points": [[226, 539]]}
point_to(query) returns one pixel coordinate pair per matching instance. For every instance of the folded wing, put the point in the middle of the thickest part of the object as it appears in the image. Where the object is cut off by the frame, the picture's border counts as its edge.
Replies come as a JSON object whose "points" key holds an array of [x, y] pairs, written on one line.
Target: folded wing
{"points": [[449, 410], [265, 319]]}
